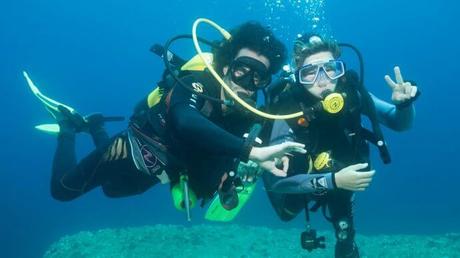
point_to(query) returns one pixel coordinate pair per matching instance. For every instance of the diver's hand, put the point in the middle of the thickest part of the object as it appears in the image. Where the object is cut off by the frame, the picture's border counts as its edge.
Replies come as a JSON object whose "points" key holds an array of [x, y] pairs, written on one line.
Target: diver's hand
{"points": [[277, 167], [261, 154], [268, 158], [282, 163], [350, 178], [402, 91]]}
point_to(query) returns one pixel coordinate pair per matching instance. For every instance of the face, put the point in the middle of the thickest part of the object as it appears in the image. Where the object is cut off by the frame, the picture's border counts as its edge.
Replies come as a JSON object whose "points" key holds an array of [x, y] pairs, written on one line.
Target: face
{"points": [[242, 70], [322, 82]]}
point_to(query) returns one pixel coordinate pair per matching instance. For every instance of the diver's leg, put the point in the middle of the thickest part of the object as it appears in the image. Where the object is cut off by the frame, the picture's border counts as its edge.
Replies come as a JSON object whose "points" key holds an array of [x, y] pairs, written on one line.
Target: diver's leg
{"points": [[99, 136], [96, 129], [109, 166], [92, 124], [70, 179], [122, 178], [127, 182], [286, 206], [64, 161], [340, 205], [125, 179]]}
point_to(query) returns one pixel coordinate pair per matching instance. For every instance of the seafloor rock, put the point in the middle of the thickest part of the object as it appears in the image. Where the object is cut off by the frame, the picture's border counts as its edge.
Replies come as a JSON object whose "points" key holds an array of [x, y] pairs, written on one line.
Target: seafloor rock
{"points": [[238, 241]]}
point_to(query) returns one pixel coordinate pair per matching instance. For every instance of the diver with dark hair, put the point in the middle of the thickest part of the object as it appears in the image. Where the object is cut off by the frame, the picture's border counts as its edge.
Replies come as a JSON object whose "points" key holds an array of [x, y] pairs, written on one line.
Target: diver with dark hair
{"points": [[177, 135], [333, 101]]}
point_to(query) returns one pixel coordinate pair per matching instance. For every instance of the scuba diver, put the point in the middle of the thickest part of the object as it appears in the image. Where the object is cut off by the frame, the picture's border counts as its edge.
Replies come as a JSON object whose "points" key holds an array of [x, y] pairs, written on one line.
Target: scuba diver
{"points": [[337, 163], [185, 130]]}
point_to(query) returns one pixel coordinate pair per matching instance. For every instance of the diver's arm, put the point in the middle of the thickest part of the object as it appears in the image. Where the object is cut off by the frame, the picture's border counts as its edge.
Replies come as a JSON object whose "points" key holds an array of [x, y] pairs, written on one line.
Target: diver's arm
{"points": [[399, 116], [393, 117], [193, 128], [196, 130], [304, 183], [350, 178]]}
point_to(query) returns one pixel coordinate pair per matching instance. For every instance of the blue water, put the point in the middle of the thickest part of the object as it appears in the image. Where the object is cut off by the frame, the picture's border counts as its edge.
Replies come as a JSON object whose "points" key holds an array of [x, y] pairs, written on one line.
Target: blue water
{"points": [[93, 55]]}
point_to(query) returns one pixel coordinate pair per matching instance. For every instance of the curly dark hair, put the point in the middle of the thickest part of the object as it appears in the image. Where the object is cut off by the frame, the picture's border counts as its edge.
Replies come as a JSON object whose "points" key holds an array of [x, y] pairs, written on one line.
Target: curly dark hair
{"points": [[257, 38], [309, 44]]}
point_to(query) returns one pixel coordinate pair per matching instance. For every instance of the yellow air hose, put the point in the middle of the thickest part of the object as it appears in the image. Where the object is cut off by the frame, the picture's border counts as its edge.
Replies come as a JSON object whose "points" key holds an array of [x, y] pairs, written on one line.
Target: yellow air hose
{"points": [[227, 36]]}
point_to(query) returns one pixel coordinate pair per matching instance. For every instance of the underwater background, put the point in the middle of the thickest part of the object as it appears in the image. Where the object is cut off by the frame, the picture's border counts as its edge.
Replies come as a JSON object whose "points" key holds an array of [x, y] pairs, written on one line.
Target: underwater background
{"points": [[94, 56]]}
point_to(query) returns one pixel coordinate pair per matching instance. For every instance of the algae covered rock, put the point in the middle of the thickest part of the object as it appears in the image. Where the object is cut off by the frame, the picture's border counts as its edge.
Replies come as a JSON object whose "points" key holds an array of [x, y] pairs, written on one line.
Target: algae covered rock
{"points": [[238, 241]]}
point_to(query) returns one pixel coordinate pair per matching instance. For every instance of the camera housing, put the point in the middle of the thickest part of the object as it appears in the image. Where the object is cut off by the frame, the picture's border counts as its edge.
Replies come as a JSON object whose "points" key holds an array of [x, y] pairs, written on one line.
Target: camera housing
{"points": [[310, 241]]}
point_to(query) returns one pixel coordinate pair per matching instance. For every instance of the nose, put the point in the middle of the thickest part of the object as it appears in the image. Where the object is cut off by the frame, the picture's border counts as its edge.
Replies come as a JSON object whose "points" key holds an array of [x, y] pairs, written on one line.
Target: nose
{"points": [[322, 79]]}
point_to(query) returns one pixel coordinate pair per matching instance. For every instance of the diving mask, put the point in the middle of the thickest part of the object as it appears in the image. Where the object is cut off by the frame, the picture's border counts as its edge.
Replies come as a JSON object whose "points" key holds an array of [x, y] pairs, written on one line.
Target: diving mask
{"points": [[249, 73], [308, 74]]}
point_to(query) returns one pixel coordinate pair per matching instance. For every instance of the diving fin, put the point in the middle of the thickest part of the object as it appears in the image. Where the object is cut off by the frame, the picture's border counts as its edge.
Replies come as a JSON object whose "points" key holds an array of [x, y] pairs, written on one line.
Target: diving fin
{"points": [[216, 212], [60, 112], [52, 129], [50, 104]]}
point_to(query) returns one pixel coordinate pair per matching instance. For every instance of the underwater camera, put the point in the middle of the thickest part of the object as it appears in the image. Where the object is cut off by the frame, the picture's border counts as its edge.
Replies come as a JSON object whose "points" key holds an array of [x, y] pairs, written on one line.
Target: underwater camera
{"points": [[310, 241]]}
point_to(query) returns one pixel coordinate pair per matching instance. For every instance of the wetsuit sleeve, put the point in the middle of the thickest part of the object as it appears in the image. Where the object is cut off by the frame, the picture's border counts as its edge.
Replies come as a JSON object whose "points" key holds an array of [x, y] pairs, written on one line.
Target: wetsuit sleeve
{"points": [[304, 183], [194, 129], [297, 184], [398, 119]]}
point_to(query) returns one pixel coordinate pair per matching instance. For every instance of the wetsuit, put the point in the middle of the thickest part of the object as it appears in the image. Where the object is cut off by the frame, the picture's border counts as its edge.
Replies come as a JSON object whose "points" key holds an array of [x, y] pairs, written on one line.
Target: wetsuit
{"points": [[341, 137], [177, 132]]}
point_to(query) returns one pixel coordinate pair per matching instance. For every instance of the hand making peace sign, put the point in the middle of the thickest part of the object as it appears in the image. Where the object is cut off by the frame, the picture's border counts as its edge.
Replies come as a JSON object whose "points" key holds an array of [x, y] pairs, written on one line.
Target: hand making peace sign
{"points": [[402, 91]]}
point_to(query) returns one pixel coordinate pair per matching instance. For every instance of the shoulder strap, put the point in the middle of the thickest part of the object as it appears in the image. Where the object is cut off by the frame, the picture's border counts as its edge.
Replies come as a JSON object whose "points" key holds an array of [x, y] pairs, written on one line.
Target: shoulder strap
{"points": [[368, 103]]}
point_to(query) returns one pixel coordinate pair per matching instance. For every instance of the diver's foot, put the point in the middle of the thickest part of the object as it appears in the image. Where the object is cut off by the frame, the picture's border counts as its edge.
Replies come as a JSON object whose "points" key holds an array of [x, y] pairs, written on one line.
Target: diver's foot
{"points": [[346, 249], [73, 121], [94, 122], [70, 120], [76, 122]]}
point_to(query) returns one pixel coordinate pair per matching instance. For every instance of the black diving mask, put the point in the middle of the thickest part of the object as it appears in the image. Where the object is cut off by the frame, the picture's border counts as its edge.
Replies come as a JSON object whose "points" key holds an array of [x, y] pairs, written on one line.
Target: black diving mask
{"points": [[250, 73]]}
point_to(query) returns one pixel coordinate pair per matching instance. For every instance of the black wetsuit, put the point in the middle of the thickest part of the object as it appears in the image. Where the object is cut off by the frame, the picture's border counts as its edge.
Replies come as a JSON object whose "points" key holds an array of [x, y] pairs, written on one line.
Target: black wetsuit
{"points": [[192, 133]]}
